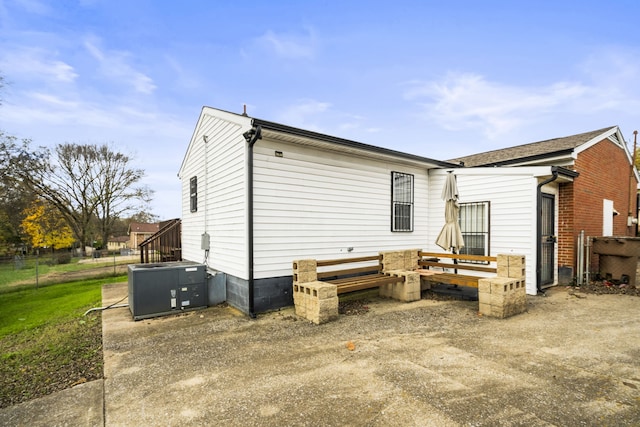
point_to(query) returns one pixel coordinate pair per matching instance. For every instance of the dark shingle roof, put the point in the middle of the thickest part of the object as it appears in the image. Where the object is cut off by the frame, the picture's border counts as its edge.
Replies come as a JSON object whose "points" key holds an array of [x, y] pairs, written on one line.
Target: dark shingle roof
{"points": [[541, 149]]}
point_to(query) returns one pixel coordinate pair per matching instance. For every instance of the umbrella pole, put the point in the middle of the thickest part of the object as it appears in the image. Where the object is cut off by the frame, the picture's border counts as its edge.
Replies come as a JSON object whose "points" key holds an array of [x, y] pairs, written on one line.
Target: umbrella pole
{"points": [[455, 260]]}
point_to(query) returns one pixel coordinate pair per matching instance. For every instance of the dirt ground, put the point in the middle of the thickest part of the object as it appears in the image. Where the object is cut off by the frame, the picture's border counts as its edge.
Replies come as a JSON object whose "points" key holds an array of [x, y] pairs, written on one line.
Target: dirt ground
{"points": [[573, 359]]}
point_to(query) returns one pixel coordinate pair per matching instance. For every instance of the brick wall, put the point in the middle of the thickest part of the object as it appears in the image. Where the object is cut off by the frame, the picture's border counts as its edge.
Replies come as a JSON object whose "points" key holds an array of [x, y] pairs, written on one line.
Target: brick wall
{"points": [[566, 253], [604, 174]]}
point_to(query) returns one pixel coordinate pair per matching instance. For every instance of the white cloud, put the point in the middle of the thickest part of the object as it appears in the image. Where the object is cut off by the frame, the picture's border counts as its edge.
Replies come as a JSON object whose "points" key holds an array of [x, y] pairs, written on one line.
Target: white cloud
{"points": [[52, 100], [353, 125], [304, 113], [604, 87], [34, 6], [290, 46], [615, 75], [469, 101], [47, 109], [36, 63], [183, 77], [80, 118], [114, 65]]}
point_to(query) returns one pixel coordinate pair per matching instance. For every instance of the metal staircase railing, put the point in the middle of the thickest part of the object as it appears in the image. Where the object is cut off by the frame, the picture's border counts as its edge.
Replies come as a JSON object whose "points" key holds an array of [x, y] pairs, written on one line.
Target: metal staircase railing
{"points": [[163, 246]]}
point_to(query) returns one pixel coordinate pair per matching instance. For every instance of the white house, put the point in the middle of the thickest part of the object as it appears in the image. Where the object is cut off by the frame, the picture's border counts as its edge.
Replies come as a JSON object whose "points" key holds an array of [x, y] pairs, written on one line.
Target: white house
{"points": [[258, 195]]}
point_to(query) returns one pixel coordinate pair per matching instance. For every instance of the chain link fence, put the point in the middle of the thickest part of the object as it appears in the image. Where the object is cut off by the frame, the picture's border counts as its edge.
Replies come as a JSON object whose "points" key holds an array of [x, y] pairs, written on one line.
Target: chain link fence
{"points": [[43, 269]]}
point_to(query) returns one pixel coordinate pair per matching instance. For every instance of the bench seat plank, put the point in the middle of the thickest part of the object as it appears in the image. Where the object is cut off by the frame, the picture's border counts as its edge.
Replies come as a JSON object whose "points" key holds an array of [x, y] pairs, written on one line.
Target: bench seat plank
{"points": [[375, 269], [350, 284], [470, 267], [465, 257], [453, 279]]}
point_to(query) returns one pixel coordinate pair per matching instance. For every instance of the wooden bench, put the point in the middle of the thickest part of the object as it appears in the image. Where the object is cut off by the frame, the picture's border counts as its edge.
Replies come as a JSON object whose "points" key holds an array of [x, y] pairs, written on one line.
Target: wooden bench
{"points": [[317, 283], [433, 259], [355, 278]]}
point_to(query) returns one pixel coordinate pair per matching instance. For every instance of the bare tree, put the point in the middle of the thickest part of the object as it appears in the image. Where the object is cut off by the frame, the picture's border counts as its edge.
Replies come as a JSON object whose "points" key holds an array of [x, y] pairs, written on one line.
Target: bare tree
{"points": [[116, 190], [85, 183]]}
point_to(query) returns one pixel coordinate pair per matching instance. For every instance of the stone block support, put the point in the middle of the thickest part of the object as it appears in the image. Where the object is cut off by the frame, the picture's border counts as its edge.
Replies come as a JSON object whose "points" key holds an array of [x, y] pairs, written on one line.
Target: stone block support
{"points": [[512, 266], [392, 260], [406, 291], [316, 301], [502, 296], [400, 260], [305, 270]]}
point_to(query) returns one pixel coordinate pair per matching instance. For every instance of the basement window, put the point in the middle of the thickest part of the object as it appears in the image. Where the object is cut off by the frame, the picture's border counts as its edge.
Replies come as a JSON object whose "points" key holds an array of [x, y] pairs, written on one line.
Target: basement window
{"points": [[401, 201], [193, 191], [474, 225]]}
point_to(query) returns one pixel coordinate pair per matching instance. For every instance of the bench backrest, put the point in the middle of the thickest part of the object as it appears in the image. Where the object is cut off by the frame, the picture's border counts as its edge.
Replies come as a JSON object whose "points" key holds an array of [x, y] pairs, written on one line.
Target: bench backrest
{"points": [[433, 259], [372, 266]]}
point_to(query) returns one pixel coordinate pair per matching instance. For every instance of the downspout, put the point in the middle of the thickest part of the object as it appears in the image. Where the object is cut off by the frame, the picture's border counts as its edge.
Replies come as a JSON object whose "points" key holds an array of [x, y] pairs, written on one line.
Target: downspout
{"points": [[251, 136], [633, 213], [554, 176]]}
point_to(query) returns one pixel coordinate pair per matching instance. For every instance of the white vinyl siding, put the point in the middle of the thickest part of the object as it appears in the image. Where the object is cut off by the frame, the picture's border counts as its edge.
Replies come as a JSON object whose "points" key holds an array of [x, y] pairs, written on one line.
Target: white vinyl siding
{"points": [[221, 196], [512, 196], [311, 203]]}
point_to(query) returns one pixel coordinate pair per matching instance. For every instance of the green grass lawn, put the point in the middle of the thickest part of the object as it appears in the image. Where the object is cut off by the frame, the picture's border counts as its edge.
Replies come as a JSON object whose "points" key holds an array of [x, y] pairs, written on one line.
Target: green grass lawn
{"points": [[46, 342], [29, 308], [12, 277], [10, 274]]}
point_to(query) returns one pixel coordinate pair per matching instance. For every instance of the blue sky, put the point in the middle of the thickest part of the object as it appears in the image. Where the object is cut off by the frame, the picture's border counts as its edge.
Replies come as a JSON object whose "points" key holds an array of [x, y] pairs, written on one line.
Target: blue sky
{"points": [[432, 78]]}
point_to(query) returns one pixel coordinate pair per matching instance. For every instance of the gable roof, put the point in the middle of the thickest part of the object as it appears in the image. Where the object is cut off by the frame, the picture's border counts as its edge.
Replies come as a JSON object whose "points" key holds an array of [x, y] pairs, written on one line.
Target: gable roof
{"points": [[536, 151], [307, 137]]}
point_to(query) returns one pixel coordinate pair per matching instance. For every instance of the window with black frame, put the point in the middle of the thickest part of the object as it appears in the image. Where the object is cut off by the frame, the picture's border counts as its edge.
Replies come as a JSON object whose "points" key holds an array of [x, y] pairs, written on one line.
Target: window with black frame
{"points": [[193, 191], [474, 225], [401, 201]]}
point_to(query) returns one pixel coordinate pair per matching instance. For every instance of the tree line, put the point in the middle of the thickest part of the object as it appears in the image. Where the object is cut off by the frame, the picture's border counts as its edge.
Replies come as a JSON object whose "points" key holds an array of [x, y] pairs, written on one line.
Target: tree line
{"points": [[75, 192], [71, 193]]}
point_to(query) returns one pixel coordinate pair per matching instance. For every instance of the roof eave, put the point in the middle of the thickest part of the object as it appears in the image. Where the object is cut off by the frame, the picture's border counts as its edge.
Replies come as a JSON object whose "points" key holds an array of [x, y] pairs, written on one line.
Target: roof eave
{"points": [[530, 159], [277, 127]]}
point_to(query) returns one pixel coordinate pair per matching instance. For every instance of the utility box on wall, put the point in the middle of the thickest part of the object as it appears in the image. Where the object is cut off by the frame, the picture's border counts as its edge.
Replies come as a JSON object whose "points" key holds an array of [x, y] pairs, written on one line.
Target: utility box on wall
{"points": [[166, 288]]}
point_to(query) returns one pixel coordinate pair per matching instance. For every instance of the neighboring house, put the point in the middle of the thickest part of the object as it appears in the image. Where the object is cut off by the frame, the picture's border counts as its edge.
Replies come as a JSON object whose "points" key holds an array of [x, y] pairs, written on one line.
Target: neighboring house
{"points": [[139, 231], [601, 201], [258, 195], [115, 243]]}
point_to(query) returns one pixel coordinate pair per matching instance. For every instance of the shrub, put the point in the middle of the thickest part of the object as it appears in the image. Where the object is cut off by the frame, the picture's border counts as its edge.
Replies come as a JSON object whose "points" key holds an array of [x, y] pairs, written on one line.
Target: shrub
{"points": [[61, 258]]}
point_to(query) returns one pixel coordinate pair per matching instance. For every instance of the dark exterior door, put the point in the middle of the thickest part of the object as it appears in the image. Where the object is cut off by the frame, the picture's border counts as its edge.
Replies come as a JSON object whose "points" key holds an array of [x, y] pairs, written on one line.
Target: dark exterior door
{"points": [[548, 239]]}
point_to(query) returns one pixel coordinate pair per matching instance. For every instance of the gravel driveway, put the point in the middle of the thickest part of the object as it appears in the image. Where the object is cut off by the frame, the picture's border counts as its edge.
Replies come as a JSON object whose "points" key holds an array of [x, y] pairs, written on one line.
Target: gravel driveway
{"points": [[573, 359]]}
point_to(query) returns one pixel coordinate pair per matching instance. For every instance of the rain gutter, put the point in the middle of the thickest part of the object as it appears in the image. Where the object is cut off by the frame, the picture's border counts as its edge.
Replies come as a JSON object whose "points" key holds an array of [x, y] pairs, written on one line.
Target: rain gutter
{"points": [[277, 127], [251, 136], [527, 159]]}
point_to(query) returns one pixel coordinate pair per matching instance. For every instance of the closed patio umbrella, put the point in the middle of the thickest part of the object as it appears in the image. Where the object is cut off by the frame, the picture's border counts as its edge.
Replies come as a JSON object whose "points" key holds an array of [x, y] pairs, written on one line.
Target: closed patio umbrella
{"points": [[450, 237]]}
